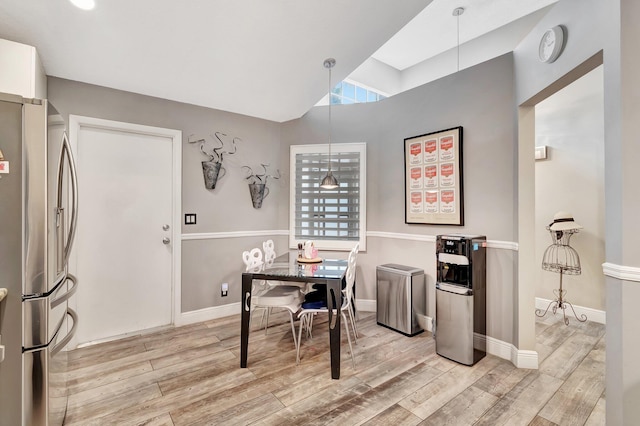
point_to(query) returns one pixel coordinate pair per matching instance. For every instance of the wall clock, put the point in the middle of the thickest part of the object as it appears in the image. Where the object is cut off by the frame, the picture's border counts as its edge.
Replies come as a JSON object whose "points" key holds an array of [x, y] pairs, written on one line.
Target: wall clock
{"points": [[551, 44]]}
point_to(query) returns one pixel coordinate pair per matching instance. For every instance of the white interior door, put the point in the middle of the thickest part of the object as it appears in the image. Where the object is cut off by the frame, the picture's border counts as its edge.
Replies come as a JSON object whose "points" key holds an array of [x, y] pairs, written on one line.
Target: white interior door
{"points": [[125, 237]]}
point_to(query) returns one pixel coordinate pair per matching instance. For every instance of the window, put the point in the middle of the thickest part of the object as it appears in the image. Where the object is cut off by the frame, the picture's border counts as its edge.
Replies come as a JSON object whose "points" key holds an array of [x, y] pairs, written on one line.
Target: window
{"points": [[334, 219], [348, 92]]}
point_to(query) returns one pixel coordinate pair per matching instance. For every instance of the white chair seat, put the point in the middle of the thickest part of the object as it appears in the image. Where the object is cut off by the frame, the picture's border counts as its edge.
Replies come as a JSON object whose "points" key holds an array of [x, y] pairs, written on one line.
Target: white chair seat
{"points": [[278, 296]]}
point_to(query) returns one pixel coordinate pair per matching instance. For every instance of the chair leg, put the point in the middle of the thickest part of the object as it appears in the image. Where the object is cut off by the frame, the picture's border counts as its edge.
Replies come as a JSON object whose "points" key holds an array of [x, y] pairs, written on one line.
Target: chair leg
{"points": [[353, 325], [293, 329], [253, 310], [302, 318], [346, 327], [310, 325], [267, 326], [353, 321]]}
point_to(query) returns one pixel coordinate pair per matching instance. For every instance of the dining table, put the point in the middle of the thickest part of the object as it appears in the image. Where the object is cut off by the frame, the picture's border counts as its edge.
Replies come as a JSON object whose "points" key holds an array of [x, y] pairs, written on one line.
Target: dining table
{"points": [[287, 267]]}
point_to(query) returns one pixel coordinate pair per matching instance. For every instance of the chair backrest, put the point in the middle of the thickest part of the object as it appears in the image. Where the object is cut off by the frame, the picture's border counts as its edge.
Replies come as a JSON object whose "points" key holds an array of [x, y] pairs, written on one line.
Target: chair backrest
{"points": [[269, 252], [350, 276], [253, 260]]}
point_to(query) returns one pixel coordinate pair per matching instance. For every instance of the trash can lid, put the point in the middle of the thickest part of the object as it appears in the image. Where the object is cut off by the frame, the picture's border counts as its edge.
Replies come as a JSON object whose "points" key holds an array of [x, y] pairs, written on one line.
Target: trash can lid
{"points": [[401, 269]]}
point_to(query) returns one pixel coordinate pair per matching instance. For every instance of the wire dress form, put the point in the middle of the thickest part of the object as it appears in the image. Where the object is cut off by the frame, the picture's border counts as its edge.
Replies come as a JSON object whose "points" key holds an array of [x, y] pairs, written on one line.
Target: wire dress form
{"points": [[560, 257]]}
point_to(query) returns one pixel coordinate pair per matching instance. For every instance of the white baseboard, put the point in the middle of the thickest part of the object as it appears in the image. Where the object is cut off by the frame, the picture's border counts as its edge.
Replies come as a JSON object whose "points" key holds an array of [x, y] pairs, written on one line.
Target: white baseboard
{"points": [[524, 359], [366, 305], [207, 314], [591, 314], [493, 346], [504, 350]]}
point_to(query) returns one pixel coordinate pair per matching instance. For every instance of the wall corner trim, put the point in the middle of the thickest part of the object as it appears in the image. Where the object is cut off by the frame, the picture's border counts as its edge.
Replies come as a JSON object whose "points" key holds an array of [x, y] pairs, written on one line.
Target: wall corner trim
{"points": [[524, 359], [626, 273]]}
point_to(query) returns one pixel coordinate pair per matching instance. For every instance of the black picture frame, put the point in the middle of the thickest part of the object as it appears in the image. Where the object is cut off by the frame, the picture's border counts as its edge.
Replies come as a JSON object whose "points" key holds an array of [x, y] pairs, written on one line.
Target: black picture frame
{"points": [[434, 178]]}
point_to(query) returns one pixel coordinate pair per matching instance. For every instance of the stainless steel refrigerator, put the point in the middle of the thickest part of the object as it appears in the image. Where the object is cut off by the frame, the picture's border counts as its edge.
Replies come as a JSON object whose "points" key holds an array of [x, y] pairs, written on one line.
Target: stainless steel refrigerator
{"points": [[38, 216]]}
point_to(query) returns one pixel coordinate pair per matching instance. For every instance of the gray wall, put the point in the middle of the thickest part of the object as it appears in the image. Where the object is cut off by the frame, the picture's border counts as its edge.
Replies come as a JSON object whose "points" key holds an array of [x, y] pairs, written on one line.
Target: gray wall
{"points": [[227, 208], [571, 124], [611, 26], [481, 100], [461, 99]]}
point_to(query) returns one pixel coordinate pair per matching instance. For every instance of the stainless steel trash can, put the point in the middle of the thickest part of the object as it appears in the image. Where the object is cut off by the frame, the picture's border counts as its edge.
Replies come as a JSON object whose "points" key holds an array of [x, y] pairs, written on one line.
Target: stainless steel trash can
{"points": [[401, 297]]}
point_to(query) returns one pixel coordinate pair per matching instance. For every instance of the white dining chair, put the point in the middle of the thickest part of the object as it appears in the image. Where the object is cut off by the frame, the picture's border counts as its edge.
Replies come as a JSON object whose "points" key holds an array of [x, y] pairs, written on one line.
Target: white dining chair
{"points": [[306, 314], [269, 252], [266, 297]]}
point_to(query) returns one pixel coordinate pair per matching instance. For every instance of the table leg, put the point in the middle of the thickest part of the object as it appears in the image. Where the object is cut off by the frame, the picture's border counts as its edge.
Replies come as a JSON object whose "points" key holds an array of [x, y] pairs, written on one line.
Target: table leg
{"points": [[245, 302], [334, 301]]}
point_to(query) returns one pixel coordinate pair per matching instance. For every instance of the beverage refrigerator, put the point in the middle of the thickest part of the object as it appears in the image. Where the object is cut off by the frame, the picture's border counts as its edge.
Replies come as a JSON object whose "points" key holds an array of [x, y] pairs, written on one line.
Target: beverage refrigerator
{"points": [[38, 213]]}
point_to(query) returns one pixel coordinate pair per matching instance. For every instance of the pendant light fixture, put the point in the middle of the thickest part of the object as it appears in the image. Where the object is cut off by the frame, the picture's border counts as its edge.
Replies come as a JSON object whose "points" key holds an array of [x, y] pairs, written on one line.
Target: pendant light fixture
{"points": [[329, 181], [457, 12]]}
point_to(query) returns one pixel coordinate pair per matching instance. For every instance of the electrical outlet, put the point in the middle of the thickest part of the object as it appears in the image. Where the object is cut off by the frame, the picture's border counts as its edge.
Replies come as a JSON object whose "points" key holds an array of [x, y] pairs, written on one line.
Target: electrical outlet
{"points": [[224, 289]]}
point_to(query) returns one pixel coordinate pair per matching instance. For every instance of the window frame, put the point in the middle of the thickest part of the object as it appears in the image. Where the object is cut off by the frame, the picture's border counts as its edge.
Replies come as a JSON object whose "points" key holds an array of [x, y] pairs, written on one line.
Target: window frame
{"points": [[337, 245]]}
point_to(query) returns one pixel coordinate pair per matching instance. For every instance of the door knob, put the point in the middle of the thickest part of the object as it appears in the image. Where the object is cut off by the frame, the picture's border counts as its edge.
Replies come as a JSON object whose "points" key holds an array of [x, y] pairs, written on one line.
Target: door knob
{"points": [[166, 240], [165, 227]]}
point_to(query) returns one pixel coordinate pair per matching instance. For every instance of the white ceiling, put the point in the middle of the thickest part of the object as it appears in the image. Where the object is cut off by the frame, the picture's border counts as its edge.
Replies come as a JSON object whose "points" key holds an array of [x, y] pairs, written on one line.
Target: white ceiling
{"points": [[254, 57], [435, 29]]}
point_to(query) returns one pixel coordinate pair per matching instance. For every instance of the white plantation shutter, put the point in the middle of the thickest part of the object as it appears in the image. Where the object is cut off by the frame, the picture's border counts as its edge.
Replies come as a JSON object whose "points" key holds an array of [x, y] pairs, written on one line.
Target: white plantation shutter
{"points": [[333, 218]]}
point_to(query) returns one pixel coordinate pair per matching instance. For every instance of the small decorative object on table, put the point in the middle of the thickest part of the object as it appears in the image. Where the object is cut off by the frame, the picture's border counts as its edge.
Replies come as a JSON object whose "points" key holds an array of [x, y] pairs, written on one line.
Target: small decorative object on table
{"points": [[562, 258], [309, 253], [258, 184]]}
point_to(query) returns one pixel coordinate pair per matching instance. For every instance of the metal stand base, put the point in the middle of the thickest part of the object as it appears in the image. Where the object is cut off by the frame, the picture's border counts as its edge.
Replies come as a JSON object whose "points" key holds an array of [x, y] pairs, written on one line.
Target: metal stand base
{"points": [[561, 303]]}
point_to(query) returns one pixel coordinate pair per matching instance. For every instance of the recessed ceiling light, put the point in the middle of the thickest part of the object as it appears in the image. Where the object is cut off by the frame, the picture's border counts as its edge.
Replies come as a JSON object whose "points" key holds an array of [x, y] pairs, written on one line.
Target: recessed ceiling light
{"points": [[84, 4]]}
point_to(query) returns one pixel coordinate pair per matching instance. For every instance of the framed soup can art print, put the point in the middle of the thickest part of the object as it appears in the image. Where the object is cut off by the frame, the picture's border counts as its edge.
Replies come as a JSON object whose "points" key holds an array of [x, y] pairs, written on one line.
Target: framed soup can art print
{"points": [[433, 178]]}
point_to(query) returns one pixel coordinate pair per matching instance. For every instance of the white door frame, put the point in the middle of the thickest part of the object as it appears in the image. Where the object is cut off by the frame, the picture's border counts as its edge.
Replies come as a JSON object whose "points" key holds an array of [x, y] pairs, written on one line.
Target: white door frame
{"points": [[77, 122]]}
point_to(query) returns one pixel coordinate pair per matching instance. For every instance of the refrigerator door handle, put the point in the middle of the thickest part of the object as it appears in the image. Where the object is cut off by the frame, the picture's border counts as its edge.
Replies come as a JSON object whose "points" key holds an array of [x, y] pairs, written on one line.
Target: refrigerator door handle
{"points": [[66, 151], [63, 298], [58, 347]]}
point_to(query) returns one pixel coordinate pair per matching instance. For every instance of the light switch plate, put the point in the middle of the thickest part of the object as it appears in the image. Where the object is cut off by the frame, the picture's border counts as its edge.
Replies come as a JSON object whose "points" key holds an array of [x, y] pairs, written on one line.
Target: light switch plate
{"points": [[541, 152]]}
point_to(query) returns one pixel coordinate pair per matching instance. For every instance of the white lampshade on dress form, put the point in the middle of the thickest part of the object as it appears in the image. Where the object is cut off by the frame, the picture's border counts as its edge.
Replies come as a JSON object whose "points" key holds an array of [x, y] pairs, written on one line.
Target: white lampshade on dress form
{"points": [[329, 181]]}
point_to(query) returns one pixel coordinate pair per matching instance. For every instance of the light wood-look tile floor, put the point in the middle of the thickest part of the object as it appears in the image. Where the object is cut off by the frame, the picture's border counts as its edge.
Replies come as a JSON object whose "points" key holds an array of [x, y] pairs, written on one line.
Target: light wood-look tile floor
{"points": [[191, 376]]}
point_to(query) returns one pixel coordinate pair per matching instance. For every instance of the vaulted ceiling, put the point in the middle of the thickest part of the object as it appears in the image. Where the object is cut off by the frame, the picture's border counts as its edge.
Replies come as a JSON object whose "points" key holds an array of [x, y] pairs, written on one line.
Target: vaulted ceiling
{"points": [[254, 57]]}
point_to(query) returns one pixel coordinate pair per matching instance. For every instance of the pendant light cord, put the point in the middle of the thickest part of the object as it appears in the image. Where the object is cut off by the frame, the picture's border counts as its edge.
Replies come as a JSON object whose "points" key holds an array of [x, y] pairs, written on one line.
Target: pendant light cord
{"points": [[458, 30], [457, 12], [329, 119]]}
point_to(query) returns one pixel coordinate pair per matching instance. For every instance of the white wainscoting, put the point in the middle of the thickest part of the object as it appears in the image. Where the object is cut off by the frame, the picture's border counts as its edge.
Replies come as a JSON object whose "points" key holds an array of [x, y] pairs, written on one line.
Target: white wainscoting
{"points": [[626, 273], [232, 234], [520, 358]]}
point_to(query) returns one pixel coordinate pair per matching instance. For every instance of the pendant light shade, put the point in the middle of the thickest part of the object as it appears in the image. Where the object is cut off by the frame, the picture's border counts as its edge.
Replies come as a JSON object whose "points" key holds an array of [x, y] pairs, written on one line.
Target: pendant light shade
{"points": [[329, 181]]}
